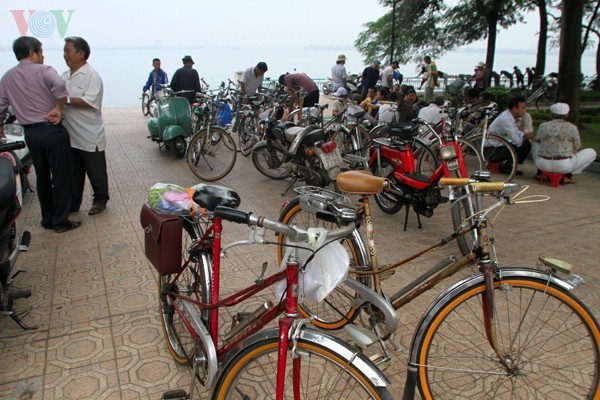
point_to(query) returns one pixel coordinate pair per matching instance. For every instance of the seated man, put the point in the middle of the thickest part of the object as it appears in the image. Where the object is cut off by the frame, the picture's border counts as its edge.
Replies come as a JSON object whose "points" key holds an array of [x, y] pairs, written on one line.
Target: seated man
{"points": [[505, 125], [557, 143], [434, 112], [340, 103]]}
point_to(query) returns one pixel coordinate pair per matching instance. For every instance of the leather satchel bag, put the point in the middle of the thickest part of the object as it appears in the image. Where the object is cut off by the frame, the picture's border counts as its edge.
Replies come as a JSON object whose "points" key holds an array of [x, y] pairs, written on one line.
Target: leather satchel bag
{"points": [[162, 240]]}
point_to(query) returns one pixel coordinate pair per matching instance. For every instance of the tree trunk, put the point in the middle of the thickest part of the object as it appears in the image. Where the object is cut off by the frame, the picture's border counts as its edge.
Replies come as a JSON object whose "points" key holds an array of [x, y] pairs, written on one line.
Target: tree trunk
{"points": [[569, 62], [492, 21], [540, 62]]}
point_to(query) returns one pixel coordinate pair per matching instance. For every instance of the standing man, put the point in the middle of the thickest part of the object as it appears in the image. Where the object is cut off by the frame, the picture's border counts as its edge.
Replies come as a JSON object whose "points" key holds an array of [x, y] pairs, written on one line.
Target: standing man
{"points": [[156, 79], [432, 76], [387, 76], [519, 77], [300, 81], [338, 73], [186, 78], [481, 77], [83, 120], [508, 76], [369, 78], [252, 79], [37, 95], [505, 125]]}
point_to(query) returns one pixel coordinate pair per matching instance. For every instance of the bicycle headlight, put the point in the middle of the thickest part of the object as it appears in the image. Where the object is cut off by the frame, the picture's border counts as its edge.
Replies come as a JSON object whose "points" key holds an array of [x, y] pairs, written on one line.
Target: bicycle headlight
{"points": [[448, 152]]}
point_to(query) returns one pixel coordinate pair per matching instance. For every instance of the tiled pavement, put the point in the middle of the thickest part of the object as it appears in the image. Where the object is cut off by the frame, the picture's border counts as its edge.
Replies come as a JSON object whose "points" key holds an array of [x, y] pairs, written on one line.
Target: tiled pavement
{"points": [[95, 295]]}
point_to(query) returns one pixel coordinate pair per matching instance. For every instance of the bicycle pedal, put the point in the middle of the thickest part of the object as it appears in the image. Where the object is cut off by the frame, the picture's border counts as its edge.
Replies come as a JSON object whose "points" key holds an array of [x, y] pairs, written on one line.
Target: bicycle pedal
{"points": [[380, 360], [177, 394], [556, 264]]}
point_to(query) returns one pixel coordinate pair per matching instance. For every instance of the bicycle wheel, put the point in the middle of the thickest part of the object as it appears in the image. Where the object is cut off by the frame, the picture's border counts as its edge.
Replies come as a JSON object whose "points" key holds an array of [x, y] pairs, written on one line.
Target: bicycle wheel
{"points": [[211, 154], [337, 309], [152, 107], [544, 331], [498, 155], [461, 210], [427, 159], [145, 100], [270, 163], [386, 201], [323, 374], [471, 156], [192, 282], [247, 135]]}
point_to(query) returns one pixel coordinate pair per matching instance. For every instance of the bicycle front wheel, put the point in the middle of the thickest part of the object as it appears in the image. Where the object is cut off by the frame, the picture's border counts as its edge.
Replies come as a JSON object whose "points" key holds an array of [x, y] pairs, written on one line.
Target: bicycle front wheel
{"points": [[337, 309], [270, 162], [323, 374], [193, 283], [544, 332], [247, 135], [498, 155], [211, 154], [145, 101]]}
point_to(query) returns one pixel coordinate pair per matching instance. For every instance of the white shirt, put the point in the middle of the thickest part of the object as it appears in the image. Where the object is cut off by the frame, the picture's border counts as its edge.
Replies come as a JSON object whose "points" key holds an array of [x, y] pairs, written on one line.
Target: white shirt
{"points": [[505, 125], [251, 81], [85, 125], [387, 72], [388, 113], [338, 74], [432, 114]]}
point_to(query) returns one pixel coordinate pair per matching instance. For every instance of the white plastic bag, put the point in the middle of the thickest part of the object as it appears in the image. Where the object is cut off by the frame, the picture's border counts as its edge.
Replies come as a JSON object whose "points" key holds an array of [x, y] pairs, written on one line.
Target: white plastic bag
{"points": [[328, 268]]}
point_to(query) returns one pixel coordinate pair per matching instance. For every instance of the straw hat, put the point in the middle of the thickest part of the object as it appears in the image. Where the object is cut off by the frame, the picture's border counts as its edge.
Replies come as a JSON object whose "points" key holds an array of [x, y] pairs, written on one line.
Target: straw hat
{"points": [[342, 57]]}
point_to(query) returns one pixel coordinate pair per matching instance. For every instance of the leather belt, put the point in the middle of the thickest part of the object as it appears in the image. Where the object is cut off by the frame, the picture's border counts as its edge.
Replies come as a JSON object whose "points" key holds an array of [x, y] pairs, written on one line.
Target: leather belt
{"points": [[36, 125], [555, 158]]}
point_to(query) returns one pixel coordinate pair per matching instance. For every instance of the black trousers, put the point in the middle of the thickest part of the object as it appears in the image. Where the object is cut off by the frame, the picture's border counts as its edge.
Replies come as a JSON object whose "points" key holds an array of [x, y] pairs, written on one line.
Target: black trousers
{"points": [[50, 150], [501, 154], [311, 99], [92, 164]]}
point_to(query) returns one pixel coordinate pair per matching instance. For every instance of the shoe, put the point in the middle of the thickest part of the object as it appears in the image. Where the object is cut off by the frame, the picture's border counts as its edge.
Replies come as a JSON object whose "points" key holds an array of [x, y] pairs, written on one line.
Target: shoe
{"points": [[570, 180], [97, 208], [68, 227], [47, 226], [505, 169]]}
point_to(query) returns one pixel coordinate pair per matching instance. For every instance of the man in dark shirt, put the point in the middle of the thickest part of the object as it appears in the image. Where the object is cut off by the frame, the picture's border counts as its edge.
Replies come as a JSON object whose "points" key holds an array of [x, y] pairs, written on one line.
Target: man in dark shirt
{"points": [[37, 95], [300, 81], [369, 78], [186, 78]]}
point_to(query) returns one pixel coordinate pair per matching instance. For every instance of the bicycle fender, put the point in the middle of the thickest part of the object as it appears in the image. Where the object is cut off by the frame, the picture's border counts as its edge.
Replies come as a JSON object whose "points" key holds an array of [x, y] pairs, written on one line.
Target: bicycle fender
{"points": [[509, 272], [172, 131], [322, 339]]}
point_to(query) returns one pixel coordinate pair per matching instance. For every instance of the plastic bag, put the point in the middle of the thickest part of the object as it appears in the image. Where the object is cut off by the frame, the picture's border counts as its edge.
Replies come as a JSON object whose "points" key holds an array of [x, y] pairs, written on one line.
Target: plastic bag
{"points": [[328, 268], [167, 198]]}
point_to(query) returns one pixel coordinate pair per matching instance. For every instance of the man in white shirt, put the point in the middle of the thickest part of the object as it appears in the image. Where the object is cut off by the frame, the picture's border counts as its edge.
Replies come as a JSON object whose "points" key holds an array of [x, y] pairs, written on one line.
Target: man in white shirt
{"points": [[83, 120], [252, 79], [505, 125], [434, 112], [338, 73], [387, 76]]}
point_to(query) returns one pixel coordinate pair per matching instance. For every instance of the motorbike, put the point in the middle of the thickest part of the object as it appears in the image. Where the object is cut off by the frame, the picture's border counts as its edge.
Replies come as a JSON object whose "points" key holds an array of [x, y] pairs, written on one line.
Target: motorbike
{"points": [[15, 133], [303, 153], [352, 84], [11, 243], [173, 122]]}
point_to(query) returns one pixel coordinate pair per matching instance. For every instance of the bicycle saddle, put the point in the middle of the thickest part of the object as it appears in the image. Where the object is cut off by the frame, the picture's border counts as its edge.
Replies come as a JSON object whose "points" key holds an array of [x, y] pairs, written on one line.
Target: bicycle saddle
{"points": [[361, 182], [213, 196]]}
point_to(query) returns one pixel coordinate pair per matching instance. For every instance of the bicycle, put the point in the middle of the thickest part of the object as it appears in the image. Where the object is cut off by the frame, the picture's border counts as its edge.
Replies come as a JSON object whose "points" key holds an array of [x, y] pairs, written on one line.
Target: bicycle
{"points": [[545, 93], [251, 112], [499, 333], [211, 152], [149, 99], [245, 361]]}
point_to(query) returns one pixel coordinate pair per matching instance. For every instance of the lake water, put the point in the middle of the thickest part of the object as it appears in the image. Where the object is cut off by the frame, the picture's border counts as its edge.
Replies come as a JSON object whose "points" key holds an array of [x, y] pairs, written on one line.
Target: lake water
{"points": [[124, 71]]}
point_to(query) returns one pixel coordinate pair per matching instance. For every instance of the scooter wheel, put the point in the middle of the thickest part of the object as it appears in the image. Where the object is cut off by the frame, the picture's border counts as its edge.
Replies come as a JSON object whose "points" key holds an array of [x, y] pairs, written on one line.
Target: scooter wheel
{"points": [[177, 146]]}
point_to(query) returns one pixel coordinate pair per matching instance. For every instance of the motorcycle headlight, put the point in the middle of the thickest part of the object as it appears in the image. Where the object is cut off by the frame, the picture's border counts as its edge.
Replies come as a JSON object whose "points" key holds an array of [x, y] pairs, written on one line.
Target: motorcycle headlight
{"points": [[448, 152]]}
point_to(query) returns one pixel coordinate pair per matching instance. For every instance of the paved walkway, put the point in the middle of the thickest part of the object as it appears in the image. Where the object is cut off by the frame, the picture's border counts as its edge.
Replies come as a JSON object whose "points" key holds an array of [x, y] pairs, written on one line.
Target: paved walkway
{"points": [[95, 295]]}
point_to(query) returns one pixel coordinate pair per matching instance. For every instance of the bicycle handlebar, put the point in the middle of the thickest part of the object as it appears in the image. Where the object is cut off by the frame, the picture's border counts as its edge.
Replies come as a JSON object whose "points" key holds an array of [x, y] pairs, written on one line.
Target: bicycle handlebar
{"points": [[479, 187], [297, 234]]}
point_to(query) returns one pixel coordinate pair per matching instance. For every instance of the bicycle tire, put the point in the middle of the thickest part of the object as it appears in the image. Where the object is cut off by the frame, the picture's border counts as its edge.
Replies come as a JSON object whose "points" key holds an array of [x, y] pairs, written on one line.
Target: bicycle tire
{"points": [[337, 309], [211, 158], [145, 100], [461, 210], [542, 327], [247, 135], [386, 201], [152, 107], [492, 157], [270, 163], [194, 282], [324, 374]]}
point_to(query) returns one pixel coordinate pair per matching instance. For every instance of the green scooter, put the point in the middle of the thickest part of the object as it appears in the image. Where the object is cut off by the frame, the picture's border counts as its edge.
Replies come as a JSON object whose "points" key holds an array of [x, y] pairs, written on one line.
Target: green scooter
{"points": [[173, 123]]}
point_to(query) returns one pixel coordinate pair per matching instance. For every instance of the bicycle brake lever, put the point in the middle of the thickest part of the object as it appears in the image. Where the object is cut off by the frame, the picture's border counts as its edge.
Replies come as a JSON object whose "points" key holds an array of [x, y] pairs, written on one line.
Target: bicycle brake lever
{"points": [[256, 236]]}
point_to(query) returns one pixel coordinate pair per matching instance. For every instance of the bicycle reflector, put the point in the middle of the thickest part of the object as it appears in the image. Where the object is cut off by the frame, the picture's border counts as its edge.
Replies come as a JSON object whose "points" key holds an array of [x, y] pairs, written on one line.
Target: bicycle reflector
{"points": [[448, 152]]}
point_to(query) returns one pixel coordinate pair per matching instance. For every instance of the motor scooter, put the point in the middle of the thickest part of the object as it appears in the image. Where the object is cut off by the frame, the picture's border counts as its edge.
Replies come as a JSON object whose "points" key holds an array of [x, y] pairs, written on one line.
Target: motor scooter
{"points": [[14, 133], [173, 122], [11, 243]]}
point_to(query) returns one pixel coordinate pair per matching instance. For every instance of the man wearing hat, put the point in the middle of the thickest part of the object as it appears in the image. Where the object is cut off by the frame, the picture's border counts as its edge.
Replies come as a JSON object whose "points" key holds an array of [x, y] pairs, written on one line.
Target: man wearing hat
{"points": [[186, 78], [434, 112], [338, 73], [339, 104], [557, 143]]}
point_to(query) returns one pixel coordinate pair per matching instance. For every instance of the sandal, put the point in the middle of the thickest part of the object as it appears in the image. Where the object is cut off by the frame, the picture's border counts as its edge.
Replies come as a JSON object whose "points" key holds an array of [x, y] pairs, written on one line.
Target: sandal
{"points": [[570, 180], [97, 208]]}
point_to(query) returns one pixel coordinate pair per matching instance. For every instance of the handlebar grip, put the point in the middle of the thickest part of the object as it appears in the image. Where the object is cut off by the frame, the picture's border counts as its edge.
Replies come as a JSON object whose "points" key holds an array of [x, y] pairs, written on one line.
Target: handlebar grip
{"points": [[454, 181], [10, 146], [487, 187], [233, 215]]}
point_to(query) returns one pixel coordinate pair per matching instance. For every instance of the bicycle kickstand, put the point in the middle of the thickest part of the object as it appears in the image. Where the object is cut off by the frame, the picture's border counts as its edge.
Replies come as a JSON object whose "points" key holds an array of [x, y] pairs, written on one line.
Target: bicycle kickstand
{"points": [[289, 186]]}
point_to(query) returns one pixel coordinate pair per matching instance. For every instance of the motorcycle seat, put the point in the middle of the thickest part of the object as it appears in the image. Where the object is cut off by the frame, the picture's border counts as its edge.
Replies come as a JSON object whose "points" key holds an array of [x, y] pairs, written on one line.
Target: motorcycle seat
{"points": [[8, 185], [210, 197]]}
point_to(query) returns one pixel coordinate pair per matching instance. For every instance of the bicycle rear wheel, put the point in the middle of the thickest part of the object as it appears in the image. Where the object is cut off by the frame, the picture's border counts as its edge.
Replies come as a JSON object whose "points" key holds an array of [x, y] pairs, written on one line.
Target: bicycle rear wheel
{"points": [[211, 154], [145, 100], [498, 155], [323, 374], [546, 333], [247, 135], [337, 309], [193, 283]]}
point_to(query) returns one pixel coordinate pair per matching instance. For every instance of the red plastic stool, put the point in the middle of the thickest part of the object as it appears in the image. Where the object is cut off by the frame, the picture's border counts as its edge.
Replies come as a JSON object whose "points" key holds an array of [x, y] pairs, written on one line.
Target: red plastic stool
{"points": [[554, 178], [494, 166]]}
